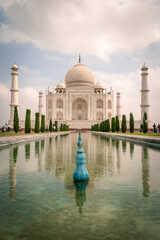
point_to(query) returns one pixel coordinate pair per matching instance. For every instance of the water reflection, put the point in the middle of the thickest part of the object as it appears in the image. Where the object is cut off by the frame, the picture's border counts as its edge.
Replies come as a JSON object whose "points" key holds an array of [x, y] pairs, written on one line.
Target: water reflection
{"points": [[39, 147], [145, 172], [13, 154], [124, 146], [118, 155], [42, 144], [36, 148], [80, 195], [131, 149], [27, 151]]}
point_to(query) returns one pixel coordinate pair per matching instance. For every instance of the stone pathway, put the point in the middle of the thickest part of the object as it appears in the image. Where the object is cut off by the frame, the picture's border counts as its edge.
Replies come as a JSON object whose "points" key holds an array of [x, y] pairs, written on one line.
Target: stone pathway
{"points": [[9, 140], [145, 140]]}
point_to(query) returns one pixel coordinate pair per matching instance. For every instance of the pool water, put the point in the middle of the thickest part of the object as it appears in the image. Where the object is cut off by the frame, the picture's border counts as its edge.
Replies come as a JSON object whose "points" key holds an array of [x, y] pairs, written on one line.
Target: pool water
{"points": [[38, 199]]}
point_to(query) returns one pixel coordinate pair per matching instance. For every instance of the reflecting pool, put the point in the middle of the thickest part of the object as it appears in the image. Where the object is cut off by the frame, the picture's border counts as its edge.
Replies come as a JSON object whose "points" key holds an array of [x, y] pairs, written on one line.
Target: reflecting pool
{"points": [[38, 199]]}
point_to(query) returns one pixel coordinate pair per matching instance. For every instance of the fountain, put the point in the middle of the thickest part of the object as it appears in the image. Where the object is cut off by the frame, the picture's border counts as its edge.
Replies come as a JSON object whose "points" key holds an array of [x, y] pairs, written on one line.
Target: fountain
{"points": [[81, 173]]}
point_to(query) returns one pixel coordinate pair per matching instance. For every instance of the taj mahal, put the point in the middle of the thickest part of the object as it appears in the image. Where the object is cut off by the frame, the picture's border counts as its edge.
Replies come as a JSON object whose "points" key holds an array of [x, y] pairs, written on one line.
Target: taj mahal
{"points": [[80, 102]]}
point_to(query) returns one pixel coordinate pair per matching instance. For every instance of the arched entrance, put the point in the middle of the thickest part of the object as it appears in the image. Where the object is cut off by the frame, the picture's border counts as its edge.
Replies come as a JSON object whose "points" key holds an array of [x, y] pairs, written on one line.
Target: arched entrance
{"points": [[79, 109]]}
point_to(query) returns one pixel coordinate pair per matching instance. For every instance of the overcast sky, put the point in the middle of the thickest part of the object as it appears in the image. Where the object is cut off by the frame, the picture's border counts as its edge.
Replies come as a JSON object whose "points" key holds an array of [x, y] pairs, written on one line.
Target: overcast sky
{"points": [[114, 38]]}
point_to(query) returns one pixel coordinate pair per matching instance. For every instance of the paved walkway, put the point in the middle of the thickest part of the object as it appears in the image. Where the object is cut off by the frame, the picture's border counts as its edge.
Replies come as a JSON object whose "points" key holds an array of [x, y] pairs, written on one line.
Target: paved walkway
{"points": [[9, 140], [145, 140]]}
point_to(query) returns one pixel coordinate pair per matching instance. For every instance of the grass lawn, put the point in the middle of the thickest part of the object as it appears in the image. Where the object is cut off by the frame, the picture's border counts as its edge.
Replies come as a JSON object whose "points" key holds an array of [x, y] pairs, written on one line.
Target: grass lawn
{"points": [[6, 134], [141, 134]]}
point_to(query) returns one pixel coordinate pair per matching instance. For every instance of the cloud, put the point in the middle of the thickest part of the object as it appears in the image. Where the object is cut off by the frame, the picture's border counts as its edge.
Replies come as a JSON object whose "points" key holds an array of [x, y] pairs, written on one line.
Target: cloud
{"points": [[94, 27]]}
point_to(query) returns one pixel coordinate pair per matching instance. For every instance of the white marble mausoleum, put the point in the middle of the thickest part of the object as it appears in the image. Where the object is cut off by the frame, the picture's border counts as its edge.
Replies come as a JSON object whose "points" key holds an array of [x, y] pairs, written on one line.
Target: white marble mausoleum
{"points": [[80, 102]]}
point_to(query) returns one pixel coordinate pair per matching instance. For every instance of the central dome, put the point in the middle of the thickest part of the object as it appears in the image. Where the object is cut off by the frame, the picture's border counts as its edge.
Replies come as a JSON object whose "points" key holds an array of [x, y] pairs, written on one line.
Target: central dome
{"points": [[79, 75]]}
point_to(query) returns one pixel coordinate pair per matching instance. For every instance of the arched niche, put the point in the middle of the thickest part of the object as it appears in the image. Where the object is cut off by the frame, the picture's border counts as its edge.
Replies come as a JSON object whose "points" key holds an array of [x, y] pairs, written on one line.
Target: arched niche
{"points": [[79, 109], [99, 116], [99, 103], [49, 116], [109, 115], [49, 104], [59, 116], [109, 104], [59, 103]]}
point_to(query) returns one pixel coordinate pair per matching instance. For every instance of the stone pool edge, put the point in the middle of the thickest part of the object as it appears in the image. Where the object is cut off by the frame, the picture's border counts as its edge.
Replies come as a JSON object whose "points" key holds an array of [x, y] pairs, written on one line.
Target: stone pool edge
{"points": [[144, 140], [10, 140]]}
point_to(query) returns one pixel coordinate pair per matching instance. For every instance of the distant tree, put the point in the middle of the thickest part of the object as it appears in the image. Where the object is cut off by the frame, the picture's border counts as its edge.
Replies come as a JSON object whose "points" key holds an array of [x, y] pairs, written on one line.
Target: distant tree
{"points": [[113, 125], [43, 123], [117, 124], [131, 123], [145, 116], [28, 121], [124, 126], [37, 122], [108, 126], [16, 120], [50, 126]]}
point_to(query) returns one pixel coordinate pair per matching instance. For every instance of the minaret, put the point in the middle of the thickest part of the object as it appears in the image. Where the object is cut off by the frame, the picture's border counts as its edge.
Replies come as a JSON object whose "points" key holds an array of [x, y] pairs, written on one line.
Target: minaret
{"points": [[40, 106], [118, 107], [14, 91], [144, 93]]}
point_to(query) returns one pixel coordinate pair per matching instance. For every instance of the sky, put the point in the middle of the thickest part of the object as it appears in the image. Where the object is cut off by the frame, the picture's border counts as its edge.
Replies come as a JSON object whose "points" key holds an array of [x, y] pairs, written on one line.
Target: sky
{"points": [[114, 38]]}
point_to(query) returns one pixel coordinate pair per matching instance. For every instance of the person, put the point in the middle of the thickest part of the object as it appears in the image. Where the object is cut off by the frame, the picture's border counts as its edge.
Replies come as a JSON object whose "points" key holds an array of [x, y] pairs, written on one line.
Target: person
{"points": [[155, 128], [141, 127]]}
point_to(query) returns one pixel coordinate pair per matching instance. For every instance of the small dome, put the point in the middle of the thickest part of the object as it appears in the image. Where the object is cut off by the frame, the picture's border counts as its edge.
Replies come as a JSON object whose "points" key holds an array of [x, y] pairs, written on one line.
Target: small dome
{"points": [[98, 85], [14, 67], [60, 85], [79, 75], [144, 67]]}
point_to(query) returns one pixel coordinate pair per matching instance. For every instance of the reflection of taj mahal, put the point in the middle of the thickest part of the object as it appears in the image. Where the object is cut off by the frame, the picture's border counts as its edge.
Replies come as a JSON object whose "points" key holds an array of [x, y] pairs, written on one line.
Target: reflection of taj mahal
{"points": [[79, 101]]}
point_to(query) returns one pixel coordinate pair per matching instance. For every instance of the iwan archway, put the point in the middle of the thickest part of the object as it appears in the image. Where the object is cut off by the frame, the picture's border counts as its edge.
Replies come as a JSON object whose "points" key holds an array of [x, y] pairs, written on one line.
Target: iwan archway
{"points": [[79, 109]]}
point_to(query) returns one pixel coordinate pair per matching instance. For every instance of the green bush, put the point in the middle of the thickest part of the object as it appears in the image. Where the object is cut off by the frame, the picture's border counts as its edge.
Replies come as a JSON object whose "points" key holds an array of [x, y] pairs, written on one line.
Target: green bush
{"points": [[37, 122], [95, 127], [16, 120], [107, 125], [131, 123], [117, 124], [50, 126], [28, 121], [113, 125], [124, 126], [43, 123]]}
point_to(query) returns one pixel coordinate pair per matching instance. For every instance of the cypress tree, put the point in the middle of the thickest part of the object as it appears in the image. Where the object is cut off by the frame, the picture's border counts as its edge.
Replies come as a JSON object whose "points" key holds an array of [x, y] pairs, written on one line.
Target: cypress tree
{"points": [[113, 124], [43, 123], [56, 125], [37, 122], [117, 124], [145, 116], [131, 123], [145, 126], [61, 127], [101, 127], [50, 126], [28, 121], [108, 126], [124, 126], [16, 120]]}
